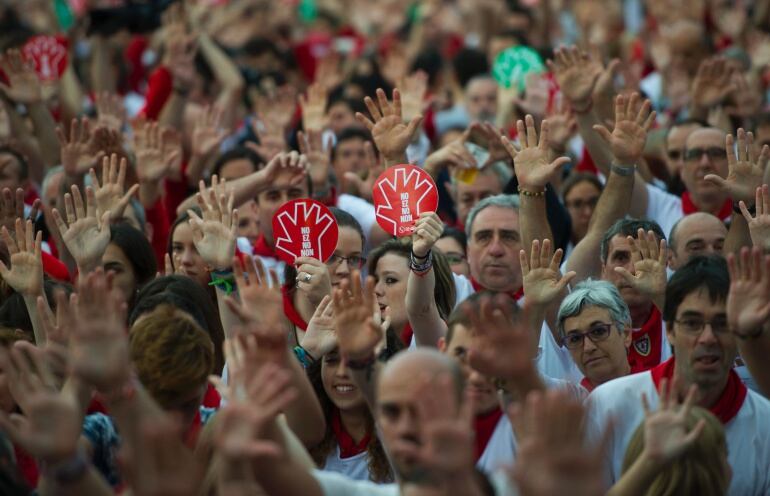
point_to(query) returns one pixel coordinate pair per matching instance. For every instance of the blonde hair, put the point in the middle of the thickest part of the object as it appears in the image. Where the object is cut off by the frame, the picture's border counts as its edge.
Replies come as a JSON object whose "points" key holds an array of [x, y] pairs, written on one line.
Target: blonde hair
{"points": [[700, 471]]}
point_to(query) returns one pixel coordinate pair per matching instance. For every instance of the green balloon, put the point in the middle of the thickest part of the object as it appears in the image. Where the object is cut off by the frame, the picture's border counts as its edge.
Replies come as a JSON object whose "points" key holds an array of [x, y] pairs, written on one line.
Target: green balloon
{"points": [[513, 64]]}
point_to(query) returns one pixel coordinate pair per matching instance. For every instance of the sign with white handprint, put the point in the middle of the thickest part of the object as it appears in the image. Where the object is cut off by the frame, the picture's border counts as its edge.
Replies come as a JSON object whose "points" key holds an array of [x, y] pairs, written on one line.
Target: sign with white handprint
{"points": [[304, 228], [400, 195], [48, 54]]}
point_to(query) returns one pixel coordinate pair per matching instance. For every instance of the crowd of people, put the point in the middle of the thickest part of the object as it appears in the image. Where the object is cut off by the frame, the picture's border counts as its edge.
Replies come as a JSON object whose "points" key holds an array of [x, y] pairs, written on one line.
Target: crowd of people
{"points": [[586, 311]]}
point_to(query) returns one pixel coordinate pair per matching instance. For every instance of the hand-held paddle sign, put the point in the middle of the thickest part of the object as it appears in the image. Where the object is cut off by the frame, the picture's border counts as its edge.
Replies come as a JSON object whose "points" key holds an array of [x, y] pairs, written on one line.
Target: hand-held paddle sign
{"points": [[48, 54], [304, 228], [400, 195]]}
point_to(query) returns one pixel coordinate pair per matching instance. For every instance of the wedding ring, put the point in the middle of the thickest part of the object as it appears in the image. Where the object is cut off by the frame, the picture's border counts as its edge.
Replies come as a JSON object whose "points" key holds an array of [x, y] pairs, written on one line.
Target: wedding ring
{"points": [[307, 278]]}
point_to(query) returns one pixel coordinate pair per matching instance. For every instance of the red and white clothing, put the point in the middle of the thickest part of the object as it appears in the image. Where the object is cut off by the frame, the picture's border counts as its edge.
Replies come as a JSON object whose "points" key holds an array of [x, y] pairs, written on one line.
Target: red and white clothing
{"points": [[355, 467], [744, 414], [666, 209], [649, 345]]}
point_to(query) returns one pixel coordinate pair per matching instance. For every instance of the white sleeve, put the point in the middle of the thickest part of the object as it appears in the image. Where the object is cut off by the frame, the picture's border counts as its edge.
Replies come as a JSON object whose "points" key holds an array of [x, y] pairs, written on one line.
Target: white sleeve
{"points": [[664, 208]]}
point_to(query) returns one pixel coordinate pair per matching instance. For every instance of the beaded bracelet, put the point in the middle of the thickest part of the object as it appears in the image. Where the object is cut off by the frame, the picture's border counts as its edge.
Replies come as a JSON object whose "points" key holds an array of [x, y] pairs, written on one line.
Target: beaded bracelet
{"points": [[532, 194], [421, 268]]}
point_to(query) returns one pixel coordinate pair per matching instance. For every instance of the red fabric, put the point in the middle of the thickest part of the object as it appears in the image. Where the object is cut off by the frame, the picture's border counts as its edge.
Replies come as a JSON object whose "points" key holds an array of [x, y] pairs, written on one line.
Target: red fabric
{"points": [[175, 192], [290, 311], [586, 163], [348, 446], [133, 54], [96, 405], [31, 195], [728, 404], [27, 466], [211, 399], [309, 51], [159, 88], [688, 207], [484, 425], [406, 334], [157, 217], [262, 249], [516, 295], [55, 268], [647, 342]]}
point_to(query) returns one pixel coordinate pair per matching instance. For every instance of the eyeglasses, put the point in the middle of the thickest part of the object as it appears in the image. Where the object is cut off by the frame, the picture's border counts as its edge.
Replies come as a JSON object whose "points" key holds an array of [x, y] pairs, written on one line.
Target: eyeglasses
{"points": [[581, 204], [695, 325], [713, 153], [597, 333], [454, 258], [675, 154], [354, 261]]}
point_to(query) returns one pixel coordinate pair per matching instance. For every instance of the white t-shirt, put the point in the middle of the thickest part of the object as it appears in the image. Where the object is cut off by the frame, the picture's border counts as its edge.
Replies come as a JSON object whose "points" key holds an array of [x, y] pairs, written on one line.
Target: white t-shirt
{"points": [[748, 433], [664, 208], [355, 467]]}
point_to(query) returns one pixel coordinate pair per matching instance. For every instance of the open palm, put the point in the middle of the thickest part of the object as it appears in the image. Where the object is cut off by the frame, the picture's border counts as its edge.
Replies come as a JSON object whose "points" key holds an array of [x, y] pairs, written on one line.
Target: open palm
{"points": [[746, 173], [357, 334]]}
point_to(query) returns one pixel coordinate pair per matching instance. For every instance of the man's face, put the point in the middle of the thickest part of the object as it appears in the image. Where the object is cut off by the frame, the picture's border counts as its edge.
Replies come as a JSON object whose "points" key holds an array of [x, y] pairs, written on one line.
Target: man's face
{"points": [[675, 147], [606, 359], [341, 116], [10, 172], [704, 154], [236, 168], [619, 255], [270, 200], [581, 201], [481, 100], [468, 195], [493, 249], [481, 387], [697, 234], [703, 359], [349, 156]]}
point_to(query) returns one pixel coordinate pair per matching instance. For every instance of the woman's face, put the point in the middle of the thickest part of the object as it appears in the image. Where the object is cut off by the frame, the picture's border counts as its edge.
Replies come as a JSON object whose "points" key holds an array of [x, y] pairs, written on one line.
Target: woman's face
{"points": [[124, 279], [392, 273], [338, 385], [455, 255], [580, 202], [349, 247], [248, 221], [183, 249]]}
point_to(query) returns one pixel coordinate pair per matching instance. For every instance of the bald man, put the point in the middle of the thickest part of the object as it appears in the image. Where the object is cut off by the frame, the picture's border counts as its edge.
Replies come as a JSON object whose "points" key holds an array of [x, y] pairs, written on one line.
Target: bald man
{"points": [[695, 234]]}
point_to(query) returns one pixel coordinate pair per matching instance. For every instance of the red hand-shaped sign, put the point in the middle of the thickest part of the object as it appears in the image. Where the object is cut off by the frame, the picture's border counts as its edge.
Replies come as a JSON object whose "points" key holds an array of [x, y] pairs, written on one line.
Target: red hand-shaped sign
{"points": [[400, 195], [49, 56], [304, 228]]}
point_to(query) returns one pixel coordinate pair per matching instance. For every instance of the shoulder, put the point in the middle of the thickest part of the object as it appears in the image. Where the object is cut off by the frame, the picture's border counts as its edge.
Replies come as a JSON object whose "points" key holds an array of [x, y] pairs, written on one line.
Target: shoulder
{"points": [[621, 392]]}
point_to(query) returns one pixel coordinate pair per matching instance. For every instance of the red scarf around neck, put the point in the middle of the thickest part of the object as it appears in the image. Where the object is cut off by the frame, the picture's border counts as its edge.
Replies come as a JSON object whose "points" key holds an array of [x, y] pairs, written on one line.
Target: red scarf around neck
{"points": [[729, 403], [516, 295], [290, 311], [348, 446], [688, 207], [262, 249], [636, 367], [647, 342], [484, 426]]}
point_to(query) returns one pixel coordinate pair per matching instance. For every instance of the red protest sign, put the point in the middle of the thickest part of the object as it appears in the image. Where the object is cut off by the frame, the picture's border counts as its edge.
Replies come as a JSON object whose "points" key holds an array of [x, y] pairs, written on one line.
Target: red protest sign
{"points": [[48, 55], [400, 195], [304, 228]]}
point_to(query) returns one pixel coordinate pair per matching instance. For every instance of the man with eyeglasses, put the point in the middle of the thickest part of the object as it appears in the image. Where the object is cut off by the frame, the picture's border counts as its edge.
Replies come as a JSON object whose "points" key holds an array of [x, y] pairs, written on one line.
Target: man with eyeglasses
{"points": [[704, 352], [676, 139], [595, 326]]}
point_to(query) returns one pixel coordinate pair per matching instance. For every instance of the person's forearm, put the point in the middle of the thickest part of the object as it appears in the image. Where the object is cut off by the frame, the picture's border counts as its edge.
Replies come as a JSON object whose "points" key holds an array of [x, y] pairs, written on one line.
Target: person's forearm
{"points": [[754, 353], [102, 73], [150, 192], [304, 414], [244, 189], [130, 406], [421, 309], [227, 317], [70, 94], [196, 168], [172, 114], [636, 480], [225, 71], [533, 220], [597, 148], [45, 131], [38, 330], [91, 483]]}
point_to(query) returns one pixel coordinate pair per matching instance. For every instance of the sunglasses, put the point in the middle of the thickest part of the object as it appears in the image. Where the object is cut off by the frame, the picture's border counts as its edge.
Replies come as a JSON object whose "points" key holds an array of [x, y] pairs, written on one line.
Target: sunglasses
{"points": [[713, 153]]}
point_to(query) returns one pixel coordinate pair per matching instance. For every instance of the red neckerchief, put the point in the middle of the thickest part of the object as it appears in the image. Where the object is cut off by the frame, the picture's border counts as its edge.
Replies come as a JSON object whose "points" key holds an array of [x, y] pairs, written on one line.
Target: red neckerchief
{"points": [[688, 207], [26, 465], [647, 342], [406, 334], [484, 425], [516, 295], [262, 249], [289, 310], [636, 367], [348, 446], [729, 402]]}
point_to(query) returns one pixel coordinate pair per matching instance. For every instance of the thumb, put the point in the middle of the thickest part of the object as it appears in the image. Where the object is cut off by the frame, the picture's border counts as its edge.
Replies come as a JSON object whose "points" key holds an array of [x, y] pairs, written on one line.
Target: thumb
{"points": [[613, 66], [603, 132], [741, 205], [566, 278], [355, 179], [104, 225], [411, 128], [127, 197], [716, 179], [626, 274], [4, 270]]}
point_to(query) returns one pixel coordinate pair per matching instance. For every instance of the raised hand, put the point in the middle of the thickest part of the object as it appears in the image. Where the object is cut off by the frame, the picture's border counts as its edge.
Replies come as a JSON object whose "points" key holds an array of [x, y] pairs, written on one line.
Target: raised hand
{"points": [[759, 224], [78, 150], [649, 258], [214, 235], [320, 337], [109, 194], [502, 343], [745, 174], [272, 139], [531, 162], [748, 302], [453, 155], [313, 279], [292, 161], [152, 161], [57, 330], [278, 108], [666, 437], [26, 273], [363, 186], [576, 76], [391, 135], [50, 427], [427, 230], [85, 236], [311, 145], [24, 85], [207, 133], [259, 291], [12, 208], [314, 108], [712, 83], [627, 139], [110, 111], [541, 276], [357, 334], [413, 89], [180, 58]]}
